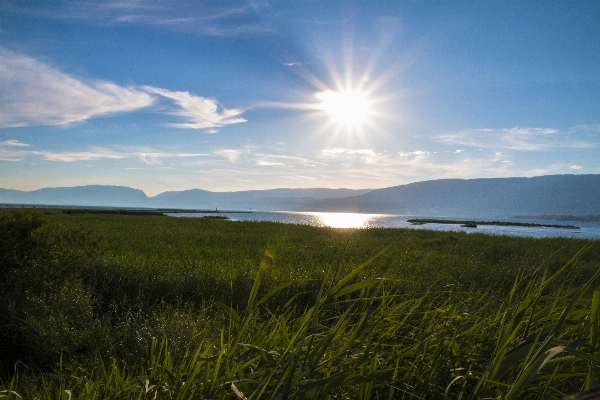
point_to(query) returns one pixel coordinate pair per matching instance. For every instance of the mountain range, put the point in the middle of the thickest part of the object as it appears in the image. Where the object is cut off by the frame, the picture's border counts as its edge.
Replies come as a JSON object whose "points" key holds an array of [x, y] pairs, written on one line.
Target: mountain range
{"points": [[490, 197]]}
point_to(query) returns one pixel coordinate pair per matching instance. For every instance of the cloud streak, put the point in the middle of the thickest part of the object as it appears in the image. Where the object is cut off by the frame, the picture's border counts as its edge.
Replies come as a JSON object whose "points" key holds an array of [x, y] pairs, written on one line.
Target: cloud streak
{"points": [[526, 139], [68, 157], [14, 143], [148, 156], [418, 153], [151, 157], [284, 160], [368, 152], [200, 112], [206, 18], [34, 93], [230, 154]]}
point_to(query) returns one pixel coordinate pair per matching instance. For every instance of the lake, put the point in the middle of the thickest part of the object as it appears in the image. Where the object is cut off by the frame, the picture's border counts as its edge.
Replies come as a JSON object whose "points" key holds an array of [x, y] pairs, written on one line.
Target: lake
{"points": [[589, 230]]}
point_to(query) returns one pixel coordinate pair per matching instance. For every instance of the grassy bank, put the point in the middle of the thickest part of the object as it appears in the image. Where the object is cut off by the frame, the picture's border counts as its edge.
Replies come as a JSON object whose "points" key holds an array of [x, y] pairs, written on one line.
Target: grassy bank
{"points": [[122, 306]]}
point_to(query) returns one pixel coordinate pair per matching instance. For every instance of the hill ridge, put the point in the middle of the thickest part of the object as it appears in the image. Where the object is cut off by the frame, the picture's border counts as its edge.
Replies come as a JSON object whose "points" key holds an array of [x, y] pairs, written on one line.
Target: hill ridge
{"points": [[490, 197]]}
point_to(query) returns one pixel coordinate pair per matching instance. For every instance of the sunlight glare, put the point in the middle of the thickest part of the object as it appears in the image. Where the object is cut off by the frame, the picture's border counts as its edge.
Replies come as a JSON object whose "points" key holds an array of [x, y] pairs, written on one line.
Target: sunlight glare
{"points": [[346, 107], [343, 220]]}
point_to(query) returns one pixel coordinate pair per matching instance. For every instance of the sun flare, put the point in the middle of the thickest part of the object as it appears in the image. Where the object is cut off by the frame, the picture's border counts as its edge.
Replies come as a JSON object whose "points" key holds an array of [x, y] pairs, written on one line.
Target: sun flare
{"points": [[346, 107], [344, 220]]}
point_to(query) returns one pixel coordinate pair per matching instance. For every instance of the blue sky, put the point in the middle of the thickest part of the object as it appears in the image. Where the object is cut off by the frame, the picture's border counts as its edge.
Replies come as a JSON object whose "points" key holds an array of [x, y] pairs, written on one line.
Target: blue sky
{"points": [[240, 95]]}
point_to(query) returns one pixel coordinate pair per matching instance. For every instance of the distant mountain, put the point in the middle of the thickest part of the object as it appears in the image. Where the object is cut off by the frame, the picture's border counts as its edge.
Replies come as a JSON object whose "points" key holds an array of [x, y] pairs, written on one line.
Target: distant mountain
{"points": [[10, 196], [120, 196], [494, 197], [576, 195], [91, 195], [267, 200]]}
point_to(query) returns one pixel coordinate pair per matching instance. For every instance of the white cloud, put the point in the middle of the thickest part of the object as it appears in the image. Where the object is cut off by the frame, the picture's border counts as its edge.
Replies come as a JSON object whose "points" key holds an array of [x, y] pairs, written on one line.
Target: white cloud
{"points": [[94, 154], [200, 112], [529, 139], [215, 18], [349, 151], [575, 167], [268, 163], [14, 143], [387, 169], [413, 153], [34, 93], [149, 156], [290, 160], [8, 152], [68, 157], [230, 154], [152, 157], [11, 155]]}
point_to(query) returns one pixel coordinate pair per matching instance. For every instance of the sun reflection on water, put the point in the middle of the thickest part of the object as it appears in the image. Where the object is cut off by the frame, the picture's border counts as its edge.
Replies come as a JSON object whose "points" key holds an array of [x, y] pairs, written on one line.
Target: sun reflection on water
{"points": [[344, 220]]}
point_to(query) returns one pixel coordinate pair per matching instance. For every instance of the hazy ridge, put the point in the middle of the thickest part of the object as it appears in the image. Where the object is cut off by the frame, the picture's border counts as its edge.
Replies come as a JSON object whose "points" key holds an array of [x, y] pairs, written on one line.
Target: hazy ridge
{"points": [[576, 195]]}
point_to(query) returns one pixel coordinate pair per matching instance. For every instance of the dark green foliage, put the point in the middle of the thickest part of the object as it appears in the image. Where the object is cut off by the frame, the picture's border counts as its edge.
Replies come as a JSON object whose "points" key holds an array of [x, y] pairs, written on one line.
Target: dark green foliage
{"points": [[159, 307], [17, 239], [45, 309]]}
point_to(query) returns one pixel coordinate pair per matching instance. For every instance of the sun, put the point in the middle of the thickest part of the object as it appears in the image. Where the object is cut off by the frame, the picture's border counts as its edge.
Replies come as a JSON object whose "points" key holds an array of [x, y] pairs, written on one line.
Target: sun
{"points": [[347, 108], [350, 105]]}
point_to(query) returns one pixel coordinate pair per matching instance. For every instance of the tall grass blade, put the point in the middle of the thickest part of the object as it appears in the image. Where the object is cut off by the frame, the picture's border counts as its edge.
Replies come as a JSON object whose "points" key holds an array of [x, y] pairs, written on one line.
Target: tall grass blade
{"points": [[278, 289], [355, 271], [233, 315], [594, 314], [255, 287]]}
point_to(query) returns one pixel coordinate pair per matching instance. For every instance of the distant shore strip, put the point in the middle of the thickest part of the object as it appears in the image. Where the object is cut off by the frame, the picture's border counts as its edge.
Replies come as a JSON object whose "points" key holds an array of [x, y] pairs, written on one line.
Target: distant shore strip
{"points": [[160, 211], [473, 224]]}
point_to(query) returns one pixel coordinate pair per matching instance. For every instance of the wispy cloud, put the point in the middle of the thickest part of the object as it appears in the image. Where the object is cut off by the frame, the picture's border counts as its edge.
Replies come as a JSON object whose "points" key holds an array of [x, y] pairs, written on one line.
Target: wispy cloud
{"points": [[152, 157], [230, 154], [11, 155], [95, 154], [348, 151], [14, 143], [148, 156], [418, 153], [34, 93], [281, 160], [526, 139], [267, 163], [387, 168], [210, 18], [8, 154], [363, 156], [201, 112]]}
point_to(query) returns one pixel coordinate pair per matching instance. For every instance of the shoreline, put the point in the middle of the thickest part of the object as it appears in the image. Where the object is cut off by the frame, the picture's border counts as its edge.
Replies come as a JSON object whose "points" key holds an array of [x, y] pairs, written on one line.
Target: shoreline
{"points": [[473, 224]]}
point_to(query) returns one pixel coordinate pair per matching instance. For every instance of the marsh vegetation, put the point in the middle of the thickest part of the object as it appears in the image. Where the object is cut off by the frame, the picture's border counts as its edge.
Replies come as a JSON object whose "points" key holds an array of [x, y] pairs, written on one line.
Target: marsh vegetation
{"points": [[140, 306]]}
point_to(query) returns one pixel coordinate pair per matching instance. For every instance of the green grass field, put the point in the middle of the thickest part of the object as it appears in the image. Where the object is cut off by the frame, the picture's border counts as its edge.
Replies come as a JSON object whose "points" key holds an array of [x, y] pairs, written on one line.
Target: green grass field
{"points": [[107, 306]]}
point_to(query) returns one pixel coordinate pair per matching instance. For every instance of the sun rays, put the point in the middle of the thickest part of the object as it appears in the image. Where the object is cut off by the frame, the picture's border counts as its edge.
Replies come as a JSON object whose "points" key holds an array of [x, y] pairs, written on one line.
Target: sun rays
{"points": [[351, 109], [348, 109]]}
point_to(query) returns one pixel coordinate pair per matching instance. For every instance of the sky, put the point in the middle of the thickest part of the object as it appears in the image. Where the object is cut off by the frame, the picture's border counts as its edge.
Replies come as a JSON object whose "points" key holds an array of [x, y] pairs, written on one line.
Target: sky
{"points": [[234, 95]]}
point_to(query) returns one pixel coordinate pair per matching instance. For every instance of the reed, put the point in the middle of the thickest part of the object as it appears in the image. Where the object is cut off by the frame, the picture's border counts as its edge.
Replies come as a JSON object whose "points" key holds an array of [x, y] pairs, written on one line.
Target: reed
{"points": [[194, 309]]}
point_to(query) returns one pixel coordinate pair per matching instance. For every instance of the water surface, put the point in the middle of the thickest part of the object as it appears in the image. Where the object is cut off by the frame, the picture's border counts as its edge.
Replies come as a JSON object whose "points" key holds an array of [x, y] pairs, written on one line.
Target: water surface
{"points": [[589, 230]]}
